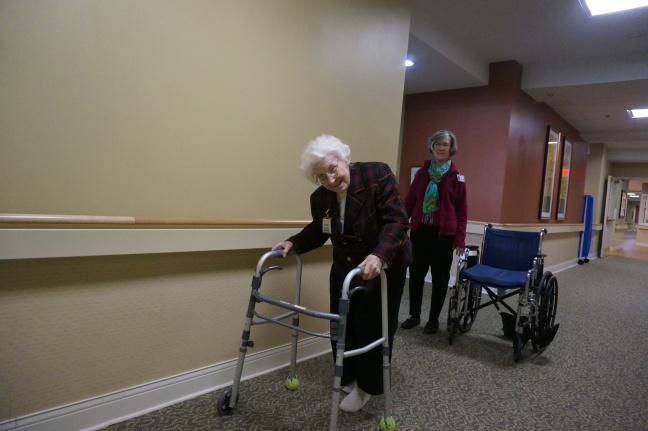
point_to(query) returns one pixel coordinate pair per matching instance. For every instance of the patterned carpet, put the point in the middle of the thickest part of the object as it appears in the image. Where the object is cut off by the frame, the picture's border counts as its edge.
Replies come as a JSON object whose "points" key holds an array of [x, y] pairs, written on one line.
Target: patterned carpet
{"points": [[592, 377]]}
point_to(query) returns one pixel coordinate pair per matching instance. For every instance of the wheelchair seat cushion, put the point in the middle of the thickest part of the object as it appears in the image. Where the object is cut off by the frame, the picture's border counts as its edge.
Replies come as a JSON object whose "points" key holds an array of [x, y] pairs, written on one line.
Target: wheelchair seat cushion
{"points": [[495, 277]]}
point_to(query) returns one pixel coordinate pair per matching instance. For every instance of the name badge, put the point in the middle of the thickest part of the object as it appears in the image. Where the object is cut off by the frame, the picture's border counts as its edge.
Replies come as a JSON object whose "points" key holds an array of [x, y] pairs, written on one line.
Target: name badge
{"points": [[460, 178], [326, 225]]}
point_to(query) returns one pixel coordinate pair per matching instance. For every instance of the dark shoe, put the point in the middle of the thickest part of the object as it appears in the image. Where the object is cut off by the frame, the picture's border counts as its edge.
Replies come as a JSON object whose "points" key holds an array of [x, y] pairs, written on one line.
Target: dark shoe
{"points": [[432, 327], [411, 322]]}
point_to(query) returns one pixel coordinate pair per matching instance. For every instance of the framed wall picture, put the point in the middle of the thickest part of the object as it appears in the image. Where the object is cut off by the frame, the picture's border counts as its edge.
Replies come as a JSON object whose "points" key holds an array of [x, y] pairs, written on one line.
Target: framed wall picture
{"points": [[413, 171], [561, 212], [623, 206], [549, 179]]}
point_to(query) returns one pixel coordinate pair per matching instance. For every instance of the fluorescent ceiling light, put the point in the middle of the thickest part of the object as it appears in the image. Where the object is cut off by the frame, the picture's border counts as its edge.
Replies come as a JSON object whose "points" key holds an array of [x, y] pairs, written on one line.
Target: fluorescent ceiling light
{"points": [[638, 113], [600, 7], [409, 63]]}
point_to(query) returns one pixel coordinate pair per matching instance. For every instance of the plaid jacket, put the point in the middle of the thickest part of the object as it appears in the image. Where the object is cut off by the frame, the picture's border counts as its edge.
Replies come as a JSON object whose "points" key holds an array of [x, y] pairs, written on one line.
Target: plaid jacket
{"points": [[374, 220]]}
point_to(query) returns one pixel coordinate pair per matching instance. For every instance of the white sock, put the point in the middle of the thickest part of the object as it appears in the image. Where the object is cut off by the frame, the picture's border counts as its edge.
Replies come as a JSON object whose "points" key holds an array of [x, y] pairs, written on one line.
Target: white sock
{"points": [[355, 400], [348, 388]]}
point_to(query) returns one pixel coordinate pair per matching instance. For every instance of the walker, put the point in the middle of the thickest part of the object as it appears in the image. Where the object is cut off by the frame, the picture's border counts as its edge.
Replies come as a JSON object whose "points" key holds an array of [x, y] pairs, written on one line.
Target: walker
{"points": [[229, 397]]}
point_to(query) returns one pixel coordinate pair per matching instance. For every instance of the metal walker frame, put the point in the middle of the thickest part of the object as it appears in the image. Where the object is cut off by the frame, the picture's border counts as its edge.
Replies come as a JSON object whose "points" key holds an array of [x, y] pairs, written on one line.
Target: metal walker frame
{"points": [[229, 397]]}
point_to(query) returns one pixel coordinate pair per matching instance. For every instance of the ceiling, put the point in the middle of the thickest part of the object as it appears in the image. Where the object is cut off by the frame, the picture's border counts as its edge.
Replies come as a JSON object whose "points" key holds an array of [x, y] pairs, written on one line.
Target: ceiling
{"points": [[589, 70]]}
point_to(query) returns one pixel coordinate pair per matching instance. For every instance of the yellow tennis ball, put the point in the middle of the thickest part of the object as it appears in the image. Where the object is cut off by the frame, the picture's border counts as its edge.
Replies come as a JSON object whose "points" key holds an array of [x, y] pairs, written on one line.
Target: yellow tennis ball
{"points": [[292, 383], [387, 424]]}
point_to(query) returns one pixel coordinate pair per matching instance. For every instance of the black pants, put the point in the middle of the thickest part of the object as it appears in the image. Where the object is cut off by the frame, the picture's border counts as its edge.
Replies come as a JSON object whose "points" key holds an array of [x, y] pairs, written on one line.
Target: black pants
{"points": [[364, 325], [434, 252]]}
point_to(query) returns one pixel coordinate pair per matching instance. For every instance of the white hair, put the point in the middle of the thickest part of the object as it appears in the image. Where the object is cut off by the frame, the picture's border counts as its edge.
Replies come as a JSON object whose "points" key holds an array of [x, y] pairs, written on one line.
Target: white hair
{"points": [[319, 148]]}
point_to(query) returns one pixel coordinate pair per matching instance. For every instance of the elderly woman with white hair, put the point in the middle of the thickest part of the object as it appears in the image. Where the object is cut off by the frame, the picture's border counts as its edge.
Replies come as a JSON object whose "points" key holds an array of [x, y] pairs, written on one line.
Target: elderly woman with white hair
{"points": [[358, 207]]}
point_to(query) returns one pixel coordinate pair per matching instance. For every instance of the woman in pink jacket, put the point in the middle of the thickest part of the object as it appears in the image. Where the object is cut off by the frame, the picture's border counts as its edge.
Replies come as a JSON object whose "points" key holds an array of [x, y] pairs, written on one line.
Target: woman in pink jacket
{"points": [[436, 205]]}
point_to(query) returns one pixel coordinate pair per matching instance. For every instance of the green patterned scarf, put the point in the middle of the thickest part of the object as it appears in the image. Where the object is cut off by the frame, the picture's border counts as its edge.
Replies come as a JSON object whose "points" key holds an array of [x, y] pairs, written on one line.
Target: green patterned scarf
{"points": [[430, 202]]}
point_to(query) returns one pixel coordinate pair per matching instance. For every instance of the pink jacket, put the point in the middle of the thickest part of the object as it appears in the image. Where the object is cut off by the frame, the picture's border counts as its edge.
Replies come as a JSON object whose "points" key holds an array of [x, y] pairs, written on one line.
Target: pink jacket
{"points": [[453, 208]]}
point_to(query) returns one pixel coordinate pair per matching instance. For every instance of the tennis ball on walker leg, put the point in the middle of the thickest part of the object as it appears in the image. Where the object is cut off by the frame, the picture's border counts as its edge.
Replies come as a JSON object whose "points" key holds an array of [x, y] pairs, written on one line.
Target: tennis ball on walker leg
{"points": [[292, 383], [387, 424]]}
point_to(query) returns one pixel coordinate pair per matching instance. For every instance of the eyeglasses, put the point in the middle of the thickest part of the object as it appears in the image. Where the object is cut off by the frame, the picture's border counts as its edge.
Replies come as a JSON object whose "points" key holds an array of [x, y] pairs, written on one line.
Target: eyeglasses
{"points": [[331, 172], [441, 144]]}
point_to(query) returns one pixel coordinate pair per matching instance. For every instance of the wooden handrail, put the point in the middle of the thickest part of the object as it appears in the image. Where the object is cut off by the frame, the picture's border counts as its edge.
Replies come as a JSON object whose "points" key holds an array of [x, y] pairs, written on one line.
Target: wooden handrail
{"points": [[35, 220], [149, 221]]}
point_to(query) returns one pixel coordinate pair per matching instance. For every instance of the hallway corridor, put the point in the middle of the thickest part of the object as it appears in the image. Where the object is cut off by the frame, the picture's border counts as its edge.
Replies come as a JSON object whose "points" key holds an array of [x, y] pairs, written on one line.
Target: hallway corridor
{"points": [[629, 249]]}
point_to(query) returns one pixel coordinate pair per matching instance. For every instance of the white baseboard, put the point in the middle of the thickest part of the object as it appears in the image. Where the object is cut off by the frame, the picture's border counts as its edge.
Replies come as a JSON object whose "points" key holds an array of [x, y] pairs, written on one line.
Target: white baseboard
{"points": [[108, 409], [563, 265]]}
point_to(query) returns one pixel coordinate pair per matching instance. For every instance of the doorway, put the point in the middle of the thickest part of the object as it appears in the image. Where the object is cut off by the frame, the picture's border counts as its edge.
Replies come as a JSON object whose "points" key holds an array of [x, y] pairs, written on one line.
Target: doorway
{"points": [[622, 217]]}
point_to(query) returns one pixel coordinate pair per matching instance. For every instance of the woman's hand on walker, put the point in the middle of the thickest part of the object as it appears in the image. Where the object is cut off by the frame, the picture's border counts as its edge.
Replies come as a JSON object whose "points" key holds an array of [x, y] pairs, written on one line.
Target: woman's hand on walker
{"points": [[372, 266], [286, 245]]}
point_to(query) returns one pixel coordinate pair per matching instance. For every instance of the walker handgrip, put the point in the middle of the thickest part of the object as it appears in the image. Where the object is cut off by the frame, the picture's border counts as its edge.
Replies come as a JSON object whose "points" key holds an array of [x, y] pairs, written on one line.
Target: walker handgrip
{"points": [[347, 280], [279, 252], [358, 270]]}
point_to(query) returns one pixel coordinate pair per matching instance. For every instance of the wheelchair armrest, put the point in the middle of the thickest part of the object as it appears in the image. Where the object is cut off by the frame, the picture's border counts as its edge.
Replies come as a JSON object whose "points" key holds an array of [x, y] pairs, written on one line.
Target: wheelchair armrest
{"points": [[471, 255]]}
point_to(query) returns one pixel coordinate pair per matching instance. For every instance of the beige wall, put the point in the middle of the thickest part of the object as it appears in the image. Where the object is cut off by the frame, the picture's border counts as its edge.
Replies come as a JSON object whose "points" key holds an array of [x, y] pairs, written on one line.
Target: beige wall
{"points": [[86, 326], [642, 236], [190, 108], [170, 109], [629, 170], [596, 179], [616, 241]]}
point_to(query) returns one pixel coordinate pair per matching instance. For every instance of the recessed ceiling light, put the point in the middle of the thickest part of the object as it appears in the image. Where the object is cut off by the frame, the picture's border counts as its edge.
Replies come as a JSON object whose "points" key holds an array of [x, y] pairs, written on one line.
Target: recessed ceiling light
{"points": [[409, 63], [638, 113], [600, 7]]}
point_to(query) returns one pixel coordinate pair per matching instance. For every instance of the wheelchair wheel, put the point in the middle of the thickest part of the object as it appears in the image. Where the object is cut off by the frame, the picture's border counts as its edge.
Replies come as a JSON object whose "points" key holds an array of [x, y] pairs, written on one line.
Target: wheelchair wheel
{"points": [[223, 402], [468, 313], [543, 328]]}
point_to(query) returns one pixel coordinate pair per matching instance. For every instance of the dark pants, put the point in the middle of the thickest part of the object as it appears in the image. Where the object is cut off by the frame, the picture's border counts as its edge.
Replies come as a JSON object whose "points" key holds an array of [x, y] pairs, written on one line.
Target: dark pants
{"points": [[434, 252], [364, 324]]}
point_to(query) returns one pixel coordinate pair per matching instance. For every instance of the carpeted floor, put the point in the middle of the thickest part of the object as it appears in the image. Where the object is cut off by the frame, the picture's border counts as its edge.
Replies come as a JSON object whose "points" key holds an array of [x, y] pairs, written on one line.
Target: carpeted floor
{"points": [[592, 377]]}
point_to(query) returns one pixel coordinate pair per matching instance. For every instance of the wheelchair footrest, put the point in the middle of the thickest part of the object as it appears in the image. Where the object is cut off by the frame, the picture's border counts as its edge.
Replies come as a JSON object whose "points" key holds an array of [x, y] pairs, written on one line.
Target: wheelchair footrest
{"points": [[509, 329], [508, 324]]}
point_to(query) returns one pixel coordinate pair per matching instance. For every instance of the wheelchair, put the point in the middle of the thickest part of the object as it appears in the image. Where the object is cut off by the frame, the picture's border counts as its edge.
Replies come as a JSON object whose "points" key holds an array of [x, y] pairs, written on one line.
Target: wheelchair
{"points": [[511, 263]]}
